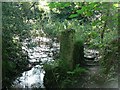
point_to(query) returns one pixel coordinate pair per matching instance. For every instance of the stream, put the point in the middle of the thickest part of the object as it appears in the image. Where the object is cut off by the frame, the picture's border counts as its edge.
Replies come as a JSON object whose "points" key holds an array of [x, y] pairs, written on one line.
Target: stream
{"points": [[40, 50]]}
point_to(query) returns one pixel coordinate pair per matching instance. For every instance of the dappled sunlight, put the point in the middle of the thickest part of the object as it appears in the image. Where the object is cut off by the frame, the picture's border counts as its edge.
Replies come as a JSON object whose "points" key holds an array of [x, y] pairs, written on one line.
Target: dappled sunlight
{"points": [[44, 5], [59, 45]]}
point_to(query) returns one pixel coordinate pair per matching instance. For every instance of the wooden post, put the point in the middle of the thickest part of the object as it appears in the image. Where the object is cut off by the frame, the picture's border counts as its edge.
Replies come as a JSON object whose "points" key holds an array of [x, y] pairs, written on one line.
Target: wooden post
{"points": [[66, 47]]}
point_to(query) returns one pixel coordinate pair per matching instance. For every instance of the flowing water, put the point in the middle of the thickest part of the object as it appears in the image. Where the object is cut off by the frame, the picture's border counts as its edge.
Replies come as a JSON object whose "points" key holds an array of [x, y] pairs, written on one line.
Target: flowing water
{"points": [[42, 50]]}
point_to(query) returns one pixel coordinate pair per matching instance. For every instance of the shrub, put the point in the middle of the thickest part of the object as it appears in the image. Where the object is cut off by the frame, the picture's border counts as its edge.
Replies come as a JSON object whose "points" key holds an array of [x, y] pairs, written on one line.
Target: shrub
{"points": [[59, 76]]}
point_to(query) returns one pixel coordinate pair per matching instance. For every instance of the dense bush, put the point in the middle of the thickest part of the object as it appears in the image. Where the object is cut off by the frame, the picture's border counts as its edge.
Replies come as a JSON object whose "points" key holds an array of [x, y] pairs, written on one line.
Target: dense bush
{"points": [[110, 57], [14, 59], [60, 76]]}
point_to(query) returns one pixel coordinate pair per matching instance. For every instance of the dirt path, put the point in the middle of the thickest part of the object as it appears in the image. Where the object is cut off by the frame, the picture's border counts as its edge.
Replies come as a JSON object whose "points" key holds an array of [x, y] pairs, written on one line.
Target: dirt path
{"points": [[95, 78]]}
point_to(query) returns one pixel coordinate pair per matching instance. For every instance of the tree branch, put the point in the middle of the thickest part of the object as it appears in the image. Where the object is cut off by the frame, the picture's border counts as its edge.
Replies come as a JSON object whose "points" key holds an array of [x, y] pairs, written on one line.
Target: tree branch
{"points": [[105, 25]]}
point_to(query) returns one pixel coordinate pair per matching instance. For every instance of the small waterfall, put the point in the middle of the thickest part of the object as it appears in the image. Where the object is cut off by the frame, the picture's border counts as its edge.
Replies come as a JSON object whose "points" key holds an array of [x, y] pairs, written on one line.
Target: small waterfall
{"points": [[43, 50]]}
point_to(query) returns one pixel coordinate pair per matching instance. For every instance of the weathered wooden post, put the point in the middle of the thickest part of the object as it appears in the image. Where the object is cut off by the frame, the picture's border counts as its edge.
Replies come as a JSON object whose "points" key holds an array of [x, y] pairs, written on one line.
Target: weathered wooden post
{"points": [[66, 47]]}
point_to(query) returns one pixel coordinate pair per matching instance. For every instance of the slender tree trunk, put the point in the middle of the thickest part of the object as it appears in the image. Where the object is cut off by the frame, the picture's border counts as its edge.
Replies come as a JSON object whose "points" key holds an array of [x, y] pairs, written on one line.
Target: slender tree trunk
{"points": [[105, 23]]}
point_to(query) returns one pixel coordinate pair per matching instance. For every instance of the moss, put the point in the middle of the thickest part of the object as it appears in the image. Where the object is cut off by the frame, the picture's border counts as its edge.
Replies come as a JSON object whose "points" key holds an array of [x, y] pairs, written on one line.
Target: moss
{"points": [[78, 53], [66, 47]]}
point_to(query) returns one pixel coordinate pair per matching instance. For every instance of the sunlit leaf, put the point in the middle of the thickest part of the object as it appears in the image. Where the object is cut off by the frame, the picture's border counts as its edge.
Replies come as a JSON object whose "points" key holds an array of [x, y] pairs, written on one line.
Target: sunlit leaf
{"points": [[73, 15]]}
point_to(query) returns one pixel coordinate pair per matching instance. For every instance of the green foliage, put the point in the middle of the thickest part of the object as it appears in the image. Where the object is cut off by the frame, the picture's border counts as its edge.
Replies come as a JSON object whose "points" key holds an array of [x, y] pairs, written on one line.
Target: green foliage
{"points": [[94, 14], [110, 57], [75, 77], [78, 53], [77, 71], [14, 30], [53, 28], [73, 15], [59, 76], [90, 21], [54, 74]]}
